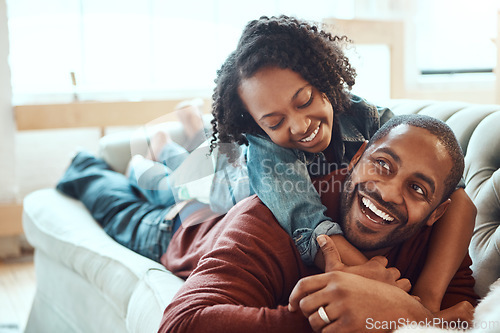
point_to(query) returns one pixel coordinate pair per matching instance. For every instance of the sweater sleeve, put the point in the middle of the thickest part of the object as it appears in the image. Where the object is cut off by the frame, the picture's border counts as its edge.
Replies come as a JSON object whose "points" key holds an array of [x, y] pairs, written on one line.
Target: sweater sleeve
{"points": [[243, 283]]}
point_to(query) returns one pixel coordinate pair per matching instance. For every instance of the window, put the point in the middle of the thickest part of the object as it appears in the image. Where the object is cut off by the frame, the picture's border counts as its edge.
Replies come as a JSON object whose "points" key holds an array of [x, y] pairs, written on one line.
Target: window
{"points": [[456, 36], [130, 49], [141, 49]]}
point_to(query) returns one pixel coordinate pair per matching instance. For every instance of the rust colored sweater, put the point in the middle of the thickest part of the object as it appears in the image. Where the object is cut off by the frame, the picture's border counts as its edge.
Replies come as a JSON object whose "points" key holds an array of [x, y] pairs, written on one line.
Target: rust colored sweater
{"points": [[243, 267]]}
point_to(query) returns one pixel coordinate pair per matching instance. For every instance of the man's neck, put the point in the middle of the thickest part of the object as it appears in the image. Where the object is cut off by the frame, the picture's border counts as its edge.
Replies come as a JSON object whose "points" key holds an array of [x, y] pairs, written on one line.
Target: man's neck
{"points": [[374, 253]]}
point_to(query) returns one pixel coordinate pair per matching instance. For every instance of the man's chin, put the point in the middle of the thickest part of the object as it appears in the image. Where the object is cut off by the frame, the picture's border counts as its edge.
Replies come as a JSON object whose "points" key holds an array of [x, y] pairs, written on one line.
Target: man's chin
{"points": [[357, 234], [362, 245]]}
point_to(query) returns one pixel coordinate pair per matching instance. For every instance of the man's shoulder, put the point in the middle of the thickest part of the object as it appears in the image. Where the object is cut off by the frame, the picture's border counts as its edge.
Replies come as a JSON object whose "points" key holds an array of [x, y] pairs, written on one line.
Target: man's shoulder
{"points": [[250, 209], [251, 227]]}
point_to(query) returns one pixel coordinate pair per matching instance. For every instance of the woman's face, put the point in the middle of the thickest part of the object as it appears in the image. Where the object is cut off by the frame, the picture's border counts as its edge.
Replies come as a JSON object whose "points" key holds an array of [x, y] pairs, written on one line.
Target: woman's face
{"points": [[289, 109]]}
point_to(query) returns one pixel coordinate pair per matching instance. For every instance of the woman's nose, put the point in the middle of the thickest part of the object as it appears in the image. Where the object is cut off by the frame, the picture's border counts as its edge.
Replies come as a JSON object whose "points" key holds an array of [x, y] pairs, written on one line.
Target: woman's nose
{"points": [[299, 125]]}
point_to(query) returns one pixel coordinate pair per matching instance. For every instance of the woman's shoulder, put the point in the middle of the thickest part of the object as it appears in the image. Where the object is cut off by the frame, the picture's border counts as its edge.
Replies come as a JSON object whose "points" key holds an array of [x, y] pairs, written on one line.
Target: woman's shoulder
{"points": [[362, 119], [361, 107]]}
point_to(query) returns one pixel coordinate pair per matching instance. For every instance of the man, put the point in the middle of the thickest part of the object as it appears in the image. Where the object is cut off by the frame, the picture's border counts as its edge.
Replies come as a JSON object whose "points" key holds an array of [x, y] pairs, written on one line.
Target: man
{"points": [[247, 266], [242, 268]]}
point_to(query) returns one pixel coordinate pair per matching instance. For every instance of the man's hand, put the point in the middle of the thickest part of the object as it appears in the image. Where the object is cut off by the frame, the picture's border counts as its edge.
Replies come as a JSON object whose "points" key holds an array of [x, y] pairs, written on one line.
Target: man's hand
{"points": [[374, 268], [340, 293], [356, 304]]}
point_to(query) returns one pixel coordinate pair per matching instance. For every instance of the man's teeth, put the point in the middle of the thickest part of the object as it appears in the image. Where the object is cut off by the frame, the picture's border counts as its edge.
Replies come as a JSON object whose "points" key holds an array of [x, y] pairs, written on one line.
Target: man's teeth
{"points": [[311, 137], [377, 211]]}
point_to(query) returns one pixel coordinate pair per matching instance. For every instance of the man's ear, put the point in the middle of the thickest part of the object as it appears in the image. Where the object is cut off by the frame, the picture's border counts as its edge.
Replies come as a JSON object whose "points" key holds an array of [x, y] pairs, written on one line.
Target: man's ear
{"points": [[358, 154], [438, 212]]}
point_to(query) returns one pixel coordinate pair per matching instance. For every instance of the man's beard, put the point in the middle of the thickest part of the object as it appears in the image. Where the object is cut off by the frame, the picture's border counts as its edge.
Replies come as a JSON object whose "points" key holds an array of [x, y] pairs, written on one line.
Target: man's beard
{"points": [[358, 234]]}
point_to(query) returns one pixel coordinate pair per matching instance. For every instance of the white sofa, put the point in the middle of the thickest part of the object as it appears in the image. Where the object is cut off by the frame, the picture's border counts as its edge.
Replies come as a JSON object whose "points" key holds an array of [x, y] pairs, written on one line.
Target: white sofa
{"points": [[86, 282]]}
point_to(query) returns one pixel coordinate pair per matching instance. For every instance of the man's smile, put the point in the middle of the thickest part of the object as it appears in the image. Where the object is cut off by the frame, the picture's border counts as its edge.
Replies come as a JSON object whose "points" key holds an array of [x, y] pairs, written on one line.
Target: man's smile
{"points": [[372, 209], [375, 215]]}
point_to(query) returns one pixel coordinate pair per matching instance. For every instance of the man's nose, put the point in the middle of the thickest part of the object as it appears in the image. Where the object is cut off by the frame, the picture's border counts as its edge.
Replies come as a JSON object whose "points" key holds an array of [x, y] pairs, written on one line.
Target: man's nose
{"points": [[391, 191], [299, 125]]}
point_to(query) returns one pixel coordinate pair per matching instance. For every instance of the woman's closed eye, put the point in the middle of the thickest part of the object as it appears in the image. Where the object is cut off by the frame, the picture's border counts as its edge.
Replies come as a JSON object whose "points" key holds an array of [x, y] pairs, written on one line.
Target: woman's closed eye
{"points": [[275, 127], [306, 104]]}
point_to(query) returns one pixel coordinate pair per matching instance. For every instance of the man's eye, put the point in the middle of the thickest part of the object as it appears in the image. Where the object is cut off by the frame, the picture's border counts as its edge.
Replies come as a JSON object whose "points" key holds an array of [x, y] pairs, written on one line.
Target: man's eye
{"points": [[417, 189], [383, 164]]}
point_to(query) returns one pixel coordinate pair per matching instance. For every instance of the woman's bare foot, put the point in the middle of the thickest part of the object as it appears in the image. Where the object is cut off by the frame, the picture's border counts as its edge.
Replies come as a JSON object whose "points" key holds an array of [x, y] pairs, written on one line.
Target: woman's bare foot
{"points": [[190, 114], [156, 141]]}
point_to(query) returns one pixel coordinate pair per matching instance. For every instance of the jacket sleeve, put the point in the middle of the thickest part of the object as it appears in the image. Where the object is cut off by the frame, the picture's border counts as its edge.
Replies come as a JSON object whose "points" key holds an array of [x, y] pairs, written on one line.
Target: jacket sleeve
{"points": [[242, 284], [230, 184], [281, 180]]}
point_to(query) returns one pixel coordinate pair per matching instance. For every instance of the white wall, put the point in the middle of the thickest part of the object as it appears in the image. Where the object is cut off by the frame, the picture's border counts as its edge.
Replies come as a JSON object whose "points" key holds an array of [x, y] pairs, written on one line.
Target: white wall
{"points": [[7, 128], [31, 160]]}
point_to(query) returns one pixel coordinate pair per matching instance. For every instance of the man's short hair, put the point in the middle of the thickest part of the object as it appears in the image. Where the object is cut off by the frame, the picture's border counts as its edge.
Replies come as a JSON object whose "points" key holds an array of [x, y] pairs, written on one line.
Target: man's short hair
{"points": [[445, 136]]}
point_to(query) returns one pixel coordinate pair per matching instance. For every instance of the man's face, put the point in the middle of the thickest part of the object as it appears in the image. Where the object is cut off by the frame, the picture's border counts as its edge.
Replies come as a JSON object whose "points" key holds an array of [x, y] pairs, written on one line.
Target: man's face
{"points": [[395, 189]]}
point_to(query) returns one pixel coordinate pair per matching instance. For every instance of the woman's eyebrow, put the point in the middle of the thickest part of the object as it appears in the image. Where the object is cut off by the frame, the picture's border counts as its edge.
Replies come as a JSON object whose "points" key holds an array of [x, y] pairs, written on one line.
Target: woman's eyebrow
{"points": [[298, 91], [268, 115]]}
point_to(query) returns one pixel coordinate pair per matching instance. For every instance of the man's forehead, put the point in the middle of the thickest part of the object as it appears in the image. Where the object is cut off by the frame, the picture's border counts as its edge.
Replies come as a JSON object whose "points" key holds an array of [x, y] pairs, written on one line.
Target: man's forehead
{"points": [[405, 134]]}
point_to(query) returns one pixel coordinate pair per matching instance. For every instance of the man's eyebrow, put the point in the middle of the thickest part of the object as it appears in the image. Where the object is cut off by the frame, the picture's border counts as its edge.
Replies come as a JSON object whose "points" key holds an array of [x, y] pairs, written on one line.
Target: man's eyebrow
{"points": [[391, 153], [426, 179]]}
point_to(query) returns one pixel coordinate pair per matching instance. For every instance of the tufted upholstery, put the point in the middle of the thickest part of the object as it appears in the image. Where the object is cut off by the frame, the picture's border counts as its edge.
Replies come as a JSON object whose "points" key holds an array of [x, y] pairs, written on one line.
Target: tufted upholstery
{"points": [[477, 127]]}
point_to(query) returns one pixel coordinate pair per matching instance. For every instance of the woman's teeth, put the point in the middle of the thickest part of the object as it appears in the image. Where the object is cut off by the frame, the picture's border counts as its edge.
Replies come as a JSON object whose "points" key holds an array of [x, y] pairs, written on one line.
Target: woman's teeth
{"points": [[376, 211], [311, 137]]}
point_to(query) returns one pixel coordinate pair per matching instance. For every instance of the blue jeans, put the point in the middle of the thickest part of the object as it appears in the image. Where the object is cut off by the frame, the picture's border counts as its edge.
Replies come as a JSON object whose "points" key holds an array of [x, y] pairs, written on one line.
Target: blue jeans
{"points": [[229, 183], [124, 213], [154, 182]]}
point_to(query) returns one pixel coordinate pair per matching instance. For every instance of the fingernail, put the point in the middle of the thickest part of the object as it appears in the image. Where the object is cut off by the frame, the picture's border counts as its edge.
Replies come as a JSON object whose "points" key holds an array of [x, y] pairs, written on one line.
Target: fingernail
{"points": [[321, 239]]}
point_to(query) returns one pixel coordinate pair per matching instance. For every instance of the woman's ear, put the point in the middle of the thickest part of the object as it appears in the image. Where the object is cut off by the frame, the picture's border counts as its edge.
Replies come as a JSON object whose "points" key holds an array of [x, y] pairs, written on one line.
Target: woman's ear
{"points": [[358, 155]]}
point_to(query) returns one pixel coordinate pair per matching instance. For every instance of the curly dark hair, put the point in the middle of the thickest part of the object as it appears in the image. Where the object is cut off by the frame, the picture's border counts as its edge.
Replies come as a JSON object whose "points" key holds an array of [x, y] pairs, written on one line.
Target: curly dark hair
{"points": [[283, 42]]}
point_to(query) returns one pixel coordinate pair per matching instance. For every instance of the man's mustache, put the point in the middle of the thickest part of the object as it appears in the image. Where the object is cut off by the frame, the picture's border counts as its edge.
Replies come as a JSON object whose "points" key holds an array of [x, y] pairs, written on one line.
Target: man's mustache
{"points": [[373, 194]]}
